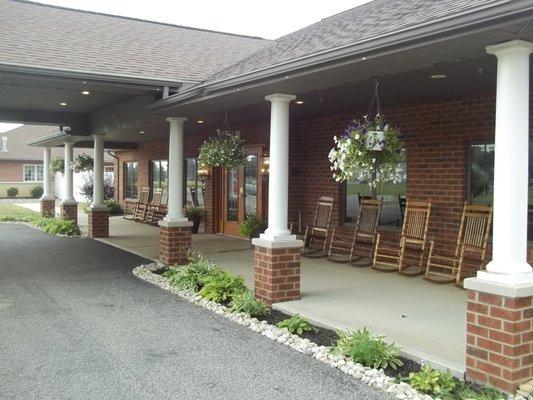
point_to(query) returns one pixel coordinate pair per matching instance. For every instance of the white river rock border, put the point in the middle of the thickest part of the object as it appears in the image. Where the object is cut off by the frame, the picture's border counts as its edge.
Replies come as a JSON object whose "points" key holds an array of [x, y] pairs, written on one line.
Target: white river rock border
{"points": [[370, 376]]}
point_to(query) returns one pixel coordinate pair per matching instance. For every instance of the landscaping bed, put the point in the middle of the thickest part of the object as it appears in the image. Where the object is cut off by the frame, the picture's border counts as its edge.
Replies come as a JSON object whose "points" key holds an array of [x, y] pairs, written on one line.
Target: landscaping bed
{"points": [[362, 354]]}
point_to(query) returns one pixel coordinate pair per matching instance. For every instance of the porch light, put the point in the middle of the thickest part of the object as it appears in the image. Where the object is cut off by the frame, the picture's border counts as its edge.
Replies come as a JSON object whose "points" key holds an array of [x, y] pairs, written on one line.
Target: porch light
{"points": [[299, 102], [85, 92], [200, 121], [438, 76], [203, 171], [265, 167], [141, 132], [63, 104]]}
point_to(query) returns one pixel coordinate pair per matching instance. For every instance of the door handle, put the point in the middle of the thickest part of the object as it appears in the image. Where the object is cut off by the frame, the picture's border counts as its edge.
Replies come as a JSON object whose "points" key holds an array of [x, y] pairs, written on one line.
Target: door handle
{"points": [[241, 193]]}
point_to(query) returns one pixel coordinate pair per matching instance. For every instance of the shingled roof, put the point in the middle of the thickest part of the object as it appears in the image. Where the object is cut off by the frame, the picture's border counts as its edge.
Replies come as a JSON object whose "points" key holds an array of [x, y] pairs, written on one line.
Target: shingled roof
{"points": [[35, 34], [365, 22], [18, 150]]}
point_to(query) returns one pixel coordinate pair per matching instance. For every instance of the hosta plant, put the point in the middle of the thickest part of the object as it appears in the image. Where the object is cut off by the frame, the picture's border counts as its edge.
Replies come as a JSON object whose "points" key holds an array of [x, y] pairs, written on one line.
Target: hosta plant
{"points": [[295, 325], [246, 302], [368, 349], [354, 157], [222, 286], [192, 276], [433, 382]]}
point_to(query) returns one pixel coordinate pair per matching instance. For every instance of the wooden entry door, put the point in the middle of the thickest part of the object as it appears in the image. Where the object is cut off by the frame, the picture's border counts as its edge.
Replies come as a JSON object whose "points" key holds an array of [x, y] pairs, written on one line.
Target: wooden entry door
{"points": [[241, 192]]}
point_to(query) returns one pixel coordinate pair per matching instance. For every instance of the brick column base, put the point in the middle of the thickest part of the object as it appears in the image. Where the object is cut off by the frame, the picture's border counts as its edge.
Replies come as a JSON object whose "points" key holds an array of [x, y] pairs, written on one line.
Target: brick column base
{"points": [[69, 210], [174, 242], [98, 226], [48, 207], [499, 350], [276, 274]]}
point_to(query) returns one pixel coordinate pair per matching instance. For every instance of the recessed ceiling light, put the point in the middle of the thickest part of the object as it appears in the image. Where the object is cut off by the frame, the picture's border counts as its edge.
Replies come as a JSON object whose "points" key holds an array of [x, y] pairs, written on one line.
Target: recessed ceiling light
{"points": [[438, 76], [300, 102], [200, 121], [63, 104], [141, 132], [85, 92], [84, 82]]}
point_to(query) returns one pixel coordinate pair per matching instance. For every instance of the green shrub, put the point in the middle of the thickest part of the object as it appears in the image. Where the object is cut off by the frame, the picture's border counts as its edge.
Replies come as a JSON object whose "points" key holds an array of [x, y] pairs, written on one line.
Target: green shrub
{"points": [[466, 392], [295, 325], [58, 226], [194, 213], [252, 226], [113, 206], [368, 349], [12, 192], [192, 276], [222, 286], [57, 165], [37, 192], [433, 382], [246, 302]]}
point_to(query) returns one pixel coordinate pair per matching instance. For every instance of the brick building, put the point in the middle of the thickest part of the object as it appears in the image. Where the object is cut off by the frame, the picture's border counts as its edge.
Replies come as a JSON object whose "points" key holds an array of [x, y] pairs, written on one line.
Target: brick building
{"points": [[453, 75]]}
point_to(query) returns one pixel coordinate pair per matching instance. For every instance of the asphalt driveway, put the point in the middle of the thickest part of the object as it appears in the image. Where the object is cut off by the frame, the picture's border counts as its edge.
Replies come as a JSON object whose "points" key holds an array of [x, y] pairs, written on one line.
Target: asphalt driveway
{"points": [[76, 324]]}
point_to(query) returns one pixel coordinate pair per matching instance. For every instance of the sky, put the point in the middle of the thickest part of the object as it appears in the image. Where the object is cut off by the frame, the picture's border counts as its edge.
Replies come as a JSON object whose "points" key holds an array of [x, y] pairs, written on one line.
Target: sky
{"points": [[268, 19]]}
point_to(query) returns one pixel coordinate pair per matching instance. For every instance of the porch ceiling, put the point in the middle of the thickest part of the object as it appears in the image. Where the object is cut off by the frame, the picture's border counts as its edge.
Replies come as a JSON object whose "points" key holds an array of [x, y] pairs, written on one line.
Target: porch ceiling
{"points": [[404, 77]]}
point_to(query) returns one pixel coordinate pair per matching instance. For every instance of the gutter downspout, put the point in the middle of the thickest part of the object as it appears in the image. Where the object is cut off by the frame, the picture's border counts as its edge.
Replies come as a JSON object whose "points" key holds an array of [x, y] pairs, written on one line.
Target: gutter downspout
{"points": [[118, 173]]}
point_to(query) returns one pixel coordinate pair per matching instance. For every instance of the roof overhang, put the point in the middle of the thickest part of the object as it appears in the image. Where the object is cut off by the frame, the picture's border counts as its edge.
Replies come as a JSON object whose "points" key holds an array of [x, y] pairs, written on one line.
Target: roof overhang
{"points": [[472, 21], [58, 139]]}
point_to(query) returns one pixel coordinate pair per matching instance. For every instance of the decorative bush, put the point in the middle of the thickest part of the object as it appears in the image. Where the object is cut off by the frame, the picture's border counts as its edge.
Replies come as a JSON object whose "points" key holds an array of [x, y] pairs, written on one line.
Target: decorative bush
{"points": [[58, 226], [222, 286], [37, 192], [113, 206], [368, 349], [223, 150], [12, 192], [253, 226], [246, 302], [194, 213], [88, 188], [355, 157], [295, 325], [57, 165]]}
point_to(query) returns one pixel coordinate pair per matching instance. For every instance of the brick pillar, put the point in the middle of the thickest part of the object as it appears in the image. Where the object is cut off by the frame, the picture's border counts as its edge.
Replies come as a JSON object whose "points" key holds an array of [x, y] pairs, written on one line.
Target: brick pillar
{"points": [[69, 210], [48, 207], [499, 340], [98, 222], [174, 242], [276, 274]]}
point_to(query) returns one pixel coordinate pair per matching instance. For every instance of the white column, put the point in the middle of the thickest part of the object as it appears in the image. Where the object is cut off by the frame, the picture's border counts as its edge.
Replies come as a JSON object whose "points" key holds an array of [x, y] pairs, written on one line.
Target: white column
{"points": [[278, 188], [509, 245], [98, 172], [47, 181], [175, 172], [68, 192]]}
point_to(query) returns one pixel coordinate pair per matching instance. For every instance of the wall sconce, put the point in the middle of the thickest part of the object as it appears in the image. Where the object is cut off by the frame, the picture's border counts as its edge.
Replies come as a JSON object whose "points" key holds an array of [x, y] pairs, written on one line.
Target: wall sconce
{"points": [[265, 167], [203, 171]]}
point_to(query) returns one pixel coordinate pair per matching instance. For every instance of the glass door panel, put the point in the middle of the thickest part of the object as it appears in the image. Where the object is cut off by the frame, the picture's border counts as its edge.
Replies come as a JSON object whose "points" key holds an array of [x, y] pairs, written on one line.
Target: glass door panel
{"points": [[232, 200], [250, 185]]}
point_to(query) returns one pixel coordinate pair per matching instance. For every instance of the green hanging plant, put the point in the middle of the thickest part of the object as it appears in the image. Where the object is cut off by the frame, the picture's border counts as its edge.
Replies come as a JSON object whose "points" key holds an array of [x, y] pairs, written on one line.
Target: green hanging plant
{"points": [[82, 163], [57, 165], [224, 150]]}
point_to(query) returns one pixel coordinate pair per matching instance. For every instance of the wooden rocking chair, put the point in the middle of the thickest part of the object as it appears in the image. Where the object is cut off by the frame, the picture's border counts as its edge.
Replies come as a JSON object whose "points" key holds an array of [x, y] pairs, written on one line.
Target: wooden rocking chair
{"points": [[158, 207], [316, 237], [131, 204], [139, 213], [360, 245], [390, 258], [470, 249]]}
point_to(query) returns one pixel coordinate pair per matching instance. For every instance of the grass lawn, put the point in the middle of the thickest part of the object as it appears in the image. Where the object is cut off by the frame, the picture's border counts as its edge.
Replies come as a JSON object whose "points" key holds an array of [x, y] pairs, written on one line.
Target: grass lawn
{"points": [[15, 211]]}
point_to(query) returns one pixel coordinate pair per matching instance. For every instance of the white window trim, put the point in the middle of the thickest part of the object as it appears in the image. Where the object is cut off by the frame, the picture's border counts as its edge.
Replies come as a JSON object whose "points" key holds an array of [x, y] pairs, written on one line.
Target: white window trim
{"points": [[34, 170], [3, 144]]}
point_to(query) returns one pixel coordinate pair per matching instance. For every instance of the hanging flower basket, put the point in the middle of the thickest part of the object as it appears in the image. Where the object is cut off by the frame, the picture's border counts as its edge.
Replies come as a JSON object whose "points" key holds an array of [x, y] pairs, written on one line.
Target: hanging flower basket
{"points": [[368, 151], [224, 150]]}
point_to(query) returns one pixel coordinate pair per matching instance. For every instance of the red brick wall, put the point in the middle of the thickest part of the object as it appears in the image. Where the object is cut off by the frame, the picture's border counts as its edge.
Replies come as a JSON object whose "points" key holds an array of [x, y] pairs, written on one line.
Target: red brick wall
{"points": [[12, 171], [437, 135]]}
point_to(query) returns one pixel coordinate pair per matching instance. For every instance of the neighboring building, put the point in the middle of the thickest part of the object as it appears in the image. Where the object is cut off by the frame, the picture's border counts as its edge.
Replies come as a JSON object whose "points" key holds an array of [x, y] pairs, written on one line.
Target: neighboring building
{"points": [[21, 166]]}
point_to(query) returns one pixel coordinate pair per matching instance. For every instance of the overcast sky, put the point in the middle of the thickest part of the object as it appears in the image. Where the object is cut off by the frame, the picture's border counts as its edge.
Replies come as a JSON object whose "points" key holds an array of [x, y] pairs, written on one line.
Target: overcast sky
{"points": [[269, 19]]}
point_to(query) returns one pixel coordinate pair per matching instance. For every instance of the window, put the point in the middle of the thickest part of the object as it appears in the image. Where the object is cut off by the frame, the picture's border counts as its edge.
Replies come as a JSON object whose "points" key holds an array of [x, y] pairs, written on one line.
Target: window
{"points": [[159, 170], [109, 174], [193, 184], [33, 173], [3, 144], [389, 192], [130, 179]]}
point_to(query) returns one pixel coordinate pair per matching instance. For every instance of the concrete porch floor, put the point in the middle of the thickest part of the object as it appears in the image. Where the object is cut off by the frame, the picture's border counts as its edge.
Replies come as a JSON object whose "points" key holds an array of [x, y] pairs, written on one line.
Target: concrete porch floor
{"points": [[427, 321]]}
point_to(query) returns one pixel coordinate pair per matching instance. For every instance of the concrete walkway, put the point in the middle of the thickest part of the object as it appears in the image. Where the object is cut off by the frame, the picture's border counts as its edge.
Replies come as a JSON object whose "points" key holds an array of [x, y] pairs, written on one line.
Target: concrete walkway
{"points": [[428, 321], [76, 324]]}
